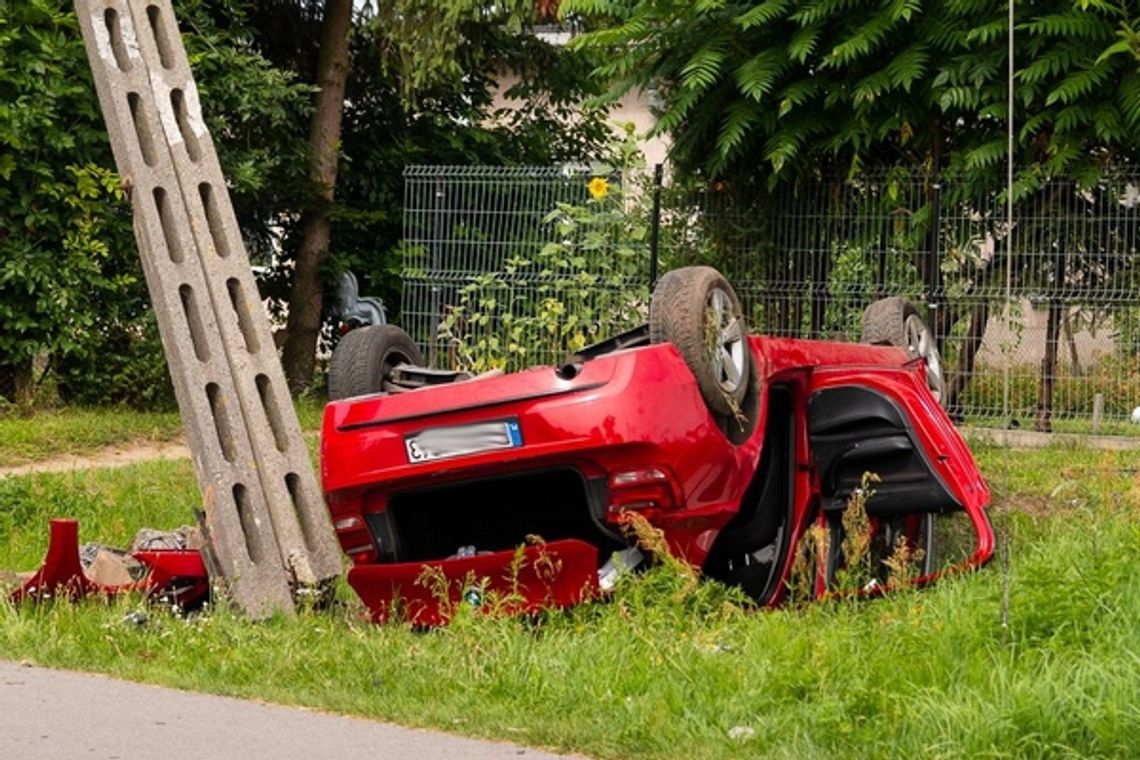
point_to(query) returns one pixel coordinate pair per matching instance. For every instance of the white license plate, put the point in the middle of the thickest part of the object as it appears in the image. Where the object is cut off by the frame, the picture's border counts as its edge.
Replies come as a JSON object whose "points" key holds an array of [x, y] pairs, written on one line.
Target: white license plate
{"points": [[441, 443]]}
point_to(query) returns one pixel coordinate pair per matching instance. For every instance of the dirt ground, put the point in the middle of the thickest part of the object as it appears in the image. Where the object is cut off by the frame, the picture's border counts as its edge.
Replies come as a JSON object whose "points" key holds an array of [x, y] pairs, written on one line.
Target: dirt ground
{"points": [[112, 456]]}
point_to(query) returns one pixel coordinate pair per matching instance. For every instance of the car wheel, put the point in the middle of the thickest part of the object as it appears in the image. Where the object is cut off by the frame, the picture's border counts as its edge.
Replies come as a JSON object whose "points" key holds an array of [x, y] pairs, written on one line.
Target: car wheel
{"points": [[896, 322], [364, 358], [696, 310]]}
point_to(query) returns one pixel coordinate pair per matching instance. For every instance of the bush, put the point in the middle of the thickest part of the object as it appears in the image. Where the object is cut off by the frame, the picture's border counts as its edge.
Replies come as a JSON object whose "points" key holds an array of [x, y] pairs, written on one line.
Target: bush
{"points": [[127, 368], [1116, 377], [583, 286]]}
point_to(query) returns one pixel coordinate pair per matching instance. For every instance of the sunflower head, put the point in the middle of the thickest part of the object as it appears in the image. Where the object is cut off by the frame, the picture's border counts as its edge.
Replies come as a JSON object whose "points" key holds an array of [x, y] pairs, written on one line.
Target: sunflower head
{"points": [[598, 188]]}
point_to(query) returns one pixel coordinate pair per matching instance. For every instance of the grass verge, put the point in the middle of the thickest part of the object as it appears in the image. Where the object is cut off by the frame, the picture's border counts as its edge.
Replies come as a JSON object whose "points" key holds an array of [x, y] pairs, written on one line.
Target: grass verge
{"points": [[668, 669], [52, 433]]}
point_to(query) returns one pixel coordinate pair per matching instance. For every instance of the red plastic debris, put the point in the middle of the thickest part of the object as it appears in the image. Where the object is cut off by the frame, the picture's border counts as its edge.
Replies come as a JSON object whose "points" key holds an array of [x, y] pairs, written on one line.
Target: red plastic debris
{"points": [[61, 574], [178, 574]]}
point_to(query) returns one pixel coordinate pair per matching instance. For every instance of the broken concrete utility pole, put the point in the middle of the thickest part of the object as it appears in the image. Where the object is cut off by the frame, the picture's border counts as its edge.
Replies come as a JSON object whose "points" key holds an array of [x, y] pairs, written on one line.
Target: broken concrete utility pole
{"points": [[267, 526]]}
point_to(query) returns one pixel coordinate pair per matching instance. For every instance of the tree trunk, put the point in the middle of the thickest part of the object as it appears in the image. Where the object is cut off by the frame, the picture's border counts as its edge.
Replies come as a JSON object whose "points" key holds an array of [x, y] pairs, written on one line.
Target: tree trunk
{"points": [[16, 383], [1049, 362], [1048, 369], [306, 293], [979, 314], [1071, 341]]}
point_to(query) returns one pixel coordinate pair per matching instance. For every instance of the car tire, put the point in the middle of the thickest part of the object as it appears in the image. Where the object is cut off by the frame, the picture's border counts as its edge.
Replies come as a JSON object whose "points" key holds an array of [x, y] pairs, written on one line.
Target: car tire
{"points": [[365, 356], [696, 310], [896, 322]]}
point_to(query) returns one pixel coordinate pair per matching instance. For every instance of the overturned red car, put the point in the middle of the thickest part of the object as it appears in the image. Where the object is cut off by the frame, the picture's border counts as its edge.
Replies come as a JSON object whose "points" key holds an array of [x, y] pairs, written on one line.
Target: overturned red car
{"points": [[732, 445]]}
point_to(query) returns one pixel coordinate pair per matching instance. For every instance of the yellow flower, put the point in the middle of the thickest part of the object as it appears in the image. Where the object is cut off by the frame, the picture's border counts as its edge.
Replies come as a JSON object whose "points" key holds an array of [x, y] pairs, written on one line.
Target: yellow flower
{"points": [[598, 188]]}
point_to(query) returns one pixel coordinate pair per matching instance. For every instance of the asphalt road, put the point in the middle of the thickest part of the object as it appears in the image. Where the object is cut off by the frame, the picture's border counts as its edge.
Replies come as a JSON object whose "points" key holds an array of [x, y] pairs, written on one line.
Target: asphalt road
{"points": [[58, 715]]}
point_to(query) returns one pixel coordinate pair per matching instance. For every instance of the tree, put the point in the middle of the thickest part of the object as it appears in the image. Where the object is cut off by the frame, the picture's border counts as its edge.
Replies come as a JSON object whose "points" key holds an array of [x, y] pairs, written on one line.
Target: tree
{"points": [[324, 142], [762, 95], [435, 63], [782, 87], [383, 134], [70, 285], [55, 197]]}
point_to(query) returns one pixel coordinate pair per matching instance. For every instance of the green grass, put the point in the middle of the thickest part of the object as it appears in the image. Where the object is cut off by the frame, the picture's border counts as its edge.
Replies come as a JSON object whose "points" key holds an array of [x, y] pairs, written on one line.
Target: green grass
{"points": [[46, 434], [52, 433], [111, 505], [309, 412], [1124, 428], [664, 671]]}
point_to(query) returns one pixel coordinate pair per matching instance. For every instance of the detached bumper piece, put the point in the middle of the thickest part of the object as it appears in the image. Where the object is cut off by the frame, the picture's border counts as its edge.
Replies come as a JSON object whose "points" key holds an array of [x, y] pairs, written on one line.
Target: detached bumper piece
{"points": [[175, 575], [549, 575]]}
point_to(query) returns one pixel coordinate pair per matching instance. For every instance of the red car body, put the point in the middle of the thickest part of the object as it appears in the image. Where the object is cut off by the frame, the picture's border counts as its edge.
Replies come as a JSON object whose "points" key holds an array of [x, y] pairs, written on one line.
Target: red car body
{"points": [[628, 431]]}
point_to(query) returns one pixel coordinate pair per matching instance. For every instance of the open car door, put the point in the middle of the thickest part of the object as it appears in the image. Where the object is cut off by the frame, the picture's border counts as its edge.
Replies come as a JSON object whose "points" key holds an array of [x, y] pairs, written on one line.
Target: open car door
{"points": [[891, 466]]}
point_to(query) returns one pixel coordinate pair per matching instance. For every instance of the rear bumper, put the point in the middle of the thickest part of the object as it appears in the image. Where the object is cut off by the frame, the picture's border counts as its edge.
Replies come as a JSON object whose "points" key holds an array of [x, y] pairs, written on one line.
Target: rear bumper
{"points": [[557, 574], [177, 575]]}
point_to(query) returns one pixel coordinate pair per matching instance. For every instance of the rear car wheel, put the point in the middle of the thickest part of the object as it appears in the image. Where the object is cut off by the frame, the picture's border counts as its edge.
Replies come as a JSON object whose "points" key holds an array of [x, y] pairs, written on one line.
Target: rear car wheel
{"points": [[696, 310], [366, 356], [896, 322]]}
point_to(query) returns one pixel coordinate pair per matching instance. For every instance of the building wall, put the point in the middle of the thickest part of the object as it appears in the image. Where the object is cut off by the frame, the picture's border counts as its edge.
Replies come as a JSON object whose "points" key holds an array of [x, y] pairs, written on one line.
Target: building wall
{"points": [[634, 107]]}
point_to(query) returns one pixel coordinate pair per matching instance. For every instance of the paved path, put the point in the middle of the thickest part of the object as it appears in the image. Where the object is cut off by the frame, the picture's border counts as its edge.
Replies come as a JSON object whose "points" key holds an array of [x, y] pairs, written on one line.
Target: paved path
{"points": [[53, 715]]}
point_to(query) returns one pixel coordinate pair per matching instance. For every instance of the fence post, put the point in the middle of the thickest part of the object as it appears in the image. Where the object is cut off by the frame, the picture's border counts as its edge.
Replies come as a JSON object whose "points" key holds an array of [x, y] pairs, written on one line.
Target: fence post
{"points": [[439, 231], [934, 269], [655, 228]]}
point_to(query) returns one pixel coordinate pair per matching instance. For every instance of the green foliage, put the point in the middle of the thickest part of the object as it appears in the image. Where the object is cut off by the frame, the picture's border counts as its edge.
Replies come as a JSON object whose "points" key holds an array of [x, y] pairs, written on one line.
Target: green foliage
{"points": [[257, 112], [443, 113], [589, 289], [59, 234], [589, 282], [810, 84], [129, 369], [426, 37], [70, 282], [1116, 378]]}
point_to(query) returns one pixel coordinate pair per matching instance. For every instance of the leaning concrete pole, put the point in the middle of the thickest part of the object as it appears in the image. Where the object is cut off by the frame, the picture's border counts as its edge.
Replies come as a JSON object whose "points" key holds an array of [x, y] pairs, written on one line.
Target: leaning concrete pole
{"points": [[266, 521]]}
